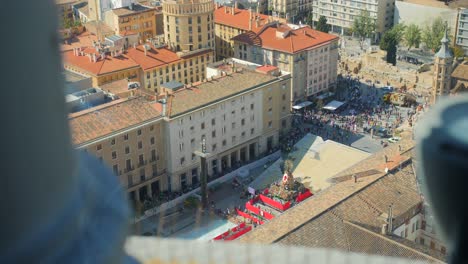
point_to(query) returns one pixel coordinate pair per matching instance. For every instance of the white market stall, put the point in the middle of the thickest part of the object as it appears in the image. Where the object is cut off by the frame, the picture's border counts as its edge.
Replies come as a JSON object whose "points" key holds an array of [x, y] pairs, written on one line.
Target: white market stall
{"points": [[333, 105], [301, 105]]}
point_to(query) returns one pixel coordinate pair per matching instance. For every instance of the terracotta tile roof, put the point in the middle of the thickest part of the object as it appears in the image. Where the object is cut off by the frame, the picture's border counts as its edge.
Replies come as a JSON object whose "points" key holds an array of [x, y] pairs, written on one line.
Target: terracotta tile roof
{"points": [[294, 40], [133, 57], [208, 92], [109, 118], [461, 72], [329, 231], [101, 66], [124, 33], [85, 39], [240, 19], [154, 57], [349, 216]]}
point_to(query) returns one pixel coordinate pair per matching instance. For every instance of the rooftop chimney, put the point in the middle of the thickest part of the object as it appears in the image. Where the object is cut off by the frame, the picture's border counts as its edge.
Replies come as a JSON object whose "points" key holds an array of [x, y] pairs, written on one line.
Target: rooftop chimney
{"points": [[232, 9], [235, 5], [225, 9], [384, 229], [257, 21], [250, 23]]}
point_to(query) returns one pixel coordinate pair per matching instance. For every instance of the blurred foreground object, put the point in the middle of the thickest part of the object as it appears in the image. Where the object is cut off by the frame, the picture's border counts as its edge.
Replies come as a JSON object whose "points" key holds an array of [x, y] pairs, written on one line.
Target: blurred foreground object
{"points": [[57, 207], [443, 149]]}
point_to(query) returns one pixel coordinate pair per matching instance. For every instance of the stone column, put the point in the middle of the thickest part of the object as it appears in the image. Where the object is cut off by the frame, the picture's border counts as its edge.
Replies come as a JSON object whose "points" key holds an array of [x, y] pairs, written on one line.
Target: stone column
{"points": [[247, 152], [220, 165], [137, 195], [149, 191], [229, 165]]}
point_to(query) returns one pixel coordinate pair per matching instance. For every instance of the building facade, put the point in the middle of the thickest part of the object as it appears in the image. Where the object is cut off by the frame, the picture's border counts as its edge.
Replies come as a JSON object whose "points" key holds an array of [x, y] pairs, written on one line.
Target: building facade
{"points": [[136, 18], [100, 67], [151, 64], [160, 65], [309, 55], [340, 14], [230, 22], [422, 13], [441, 82], [189, 25], [132, 145], [97, 8], [239, 115], [461, 38]]}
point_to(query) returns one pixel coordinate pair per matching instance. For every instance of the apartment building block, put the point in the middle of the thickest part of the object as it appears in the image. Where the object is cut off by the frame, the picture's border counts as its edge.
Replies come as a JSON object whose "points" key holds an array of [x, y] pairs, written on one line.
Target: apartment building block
{"points": [[128, 136], [341, 14], [230, 22], [239, 112], [309, 55]]}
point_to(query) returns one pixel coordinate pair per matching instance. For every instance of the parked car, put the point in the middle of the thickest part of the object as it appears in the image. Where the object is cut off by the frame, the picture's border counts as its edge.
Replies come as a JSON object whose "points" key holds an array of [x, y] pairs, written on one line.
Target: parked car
{"points": [[394, 139]]}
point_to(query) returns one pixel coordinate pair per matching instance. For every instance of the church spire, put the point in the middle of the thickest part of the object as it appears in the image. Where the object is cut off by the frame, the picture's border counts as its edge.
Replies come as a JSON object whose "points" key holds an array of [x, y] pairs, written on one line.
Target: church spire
{"points": [[444, 51]]}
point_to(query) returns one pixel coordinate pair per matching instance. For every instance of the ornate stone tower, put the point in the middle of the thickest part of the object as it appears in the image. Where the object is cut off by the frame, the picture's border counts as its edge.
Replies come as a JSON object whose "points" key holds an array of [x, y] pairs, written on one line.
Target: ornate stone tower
{"points": [[442, 70], [189, 24]]}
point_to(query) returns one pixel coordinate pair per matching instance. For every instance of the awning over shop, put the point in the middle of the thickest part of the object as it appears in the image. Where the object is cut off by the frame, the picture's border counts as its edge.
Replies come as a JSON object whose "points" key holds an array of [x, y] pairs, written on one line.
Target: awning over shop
{"points": [[302, 105], [333, 105]]}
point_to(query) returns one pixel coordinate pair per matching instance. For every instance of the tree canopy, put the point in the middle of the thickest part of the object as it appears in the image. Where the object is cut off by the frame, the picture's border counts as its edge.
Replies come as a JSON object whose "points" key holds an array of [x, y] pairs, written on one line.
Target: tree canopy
{"points": [[413, 36], [363, 25], [322, 25], [433, 33], [390, 41]]}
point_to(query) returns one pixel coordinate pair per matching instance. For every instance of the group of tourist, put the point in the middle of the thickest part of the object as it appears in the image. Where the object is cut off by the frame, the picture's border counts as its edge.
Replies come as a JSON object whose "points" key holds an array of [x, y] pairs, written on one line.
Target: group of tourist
{"points": [[364, 110]]}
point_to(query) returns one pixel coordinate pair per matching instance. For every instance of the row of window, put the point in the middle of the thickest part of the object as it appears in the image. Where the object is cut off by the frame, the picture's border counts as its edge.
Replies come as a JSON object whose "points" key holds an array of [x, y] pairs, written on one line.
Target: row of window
{"points": [[129, 165], [214, 146]]}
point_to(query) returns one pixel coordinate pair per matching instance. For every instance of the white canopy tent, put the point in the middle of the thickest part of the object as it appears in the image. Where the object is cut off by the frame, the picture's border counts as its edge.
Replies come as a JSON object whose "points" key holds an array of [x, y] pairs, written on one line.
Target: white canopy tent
{"points": [[333, 105], [302, 105]]}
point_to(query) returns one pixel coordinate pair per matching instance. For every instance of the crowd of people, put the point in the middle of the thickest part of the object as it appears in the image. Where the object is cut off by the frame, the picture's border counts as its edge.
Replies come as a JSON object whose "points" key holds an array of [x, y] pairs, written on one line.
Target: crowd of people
{"points": [[364, 111]]}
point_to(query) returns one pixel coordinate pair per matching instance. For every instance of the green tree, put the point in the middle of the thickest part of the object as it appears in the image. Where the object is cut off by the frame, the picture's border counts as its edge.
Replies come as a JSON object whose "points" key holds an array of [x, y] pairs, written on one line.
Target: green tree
{"points": [[399, 32], [390, 41], [433, 33], [322, 25], [67, 22], [412, 36], [363, 26], [457, 51]]}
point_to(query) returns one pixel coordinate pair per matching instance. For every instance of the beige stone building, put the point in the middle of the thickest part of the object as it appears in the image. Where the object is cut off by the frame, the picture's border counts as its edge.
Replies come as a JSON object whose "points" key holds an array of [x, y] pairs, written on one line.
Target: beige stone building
{"points": [[128, 136], [135, 18], [341, 14], [151, 64], [189, 25], [230, 22], [441, 82], [309, 55], [291, 10], [240, 112], [159, 65]]}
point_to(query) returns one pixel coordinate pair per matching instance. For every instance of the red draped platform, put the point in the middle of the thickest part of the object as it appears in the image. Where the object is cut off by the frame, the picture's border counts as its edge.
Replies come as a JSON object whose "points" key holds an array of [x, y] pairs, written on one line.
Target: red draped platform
{"points": [[234, 232], [301, 197]]}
